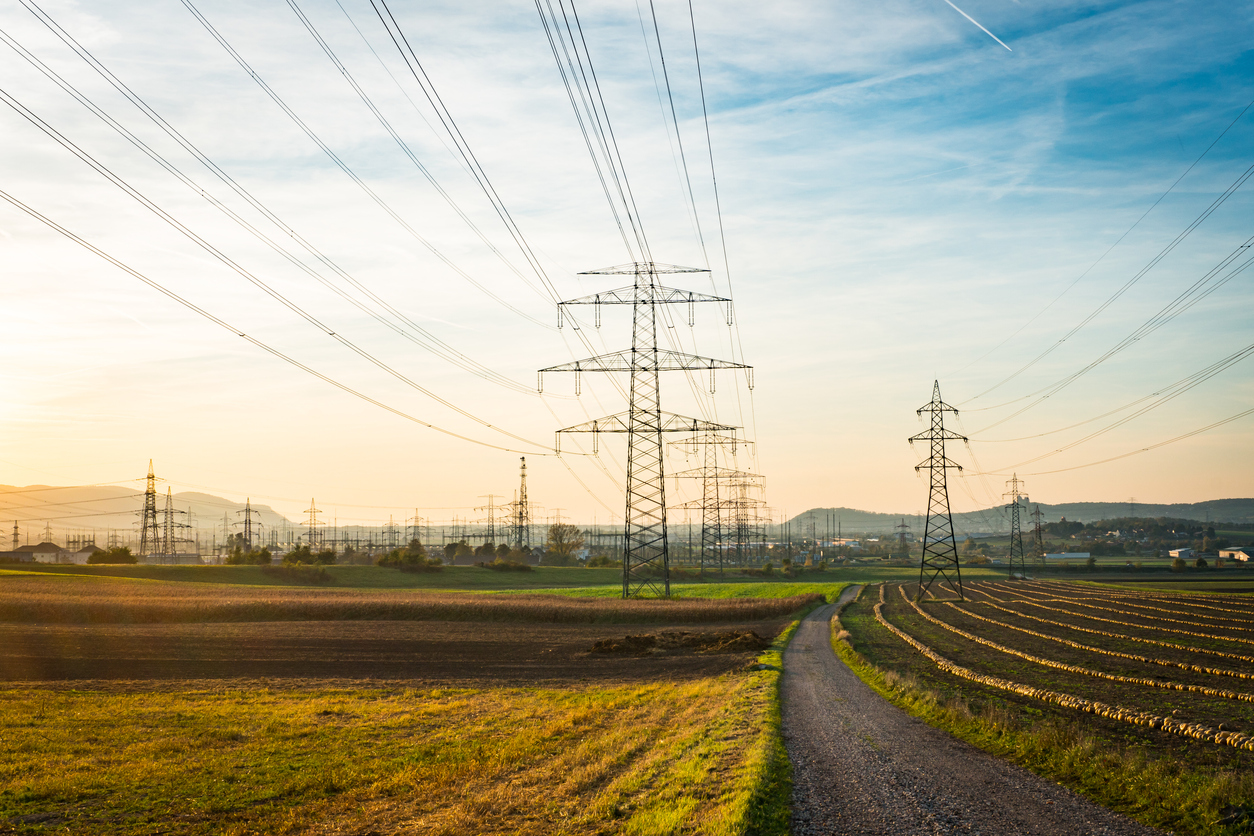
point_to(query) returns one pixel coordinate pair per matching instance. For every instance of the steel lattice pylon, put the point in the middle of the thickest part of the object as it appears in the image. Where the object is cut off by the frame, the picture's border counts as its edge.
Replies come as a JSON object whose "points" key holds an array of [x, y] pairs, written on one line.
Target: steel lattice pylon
{"points": [[1017, 556], [520, 515], [940, 551], [1038, 537], [149, 533], [646, 556]]}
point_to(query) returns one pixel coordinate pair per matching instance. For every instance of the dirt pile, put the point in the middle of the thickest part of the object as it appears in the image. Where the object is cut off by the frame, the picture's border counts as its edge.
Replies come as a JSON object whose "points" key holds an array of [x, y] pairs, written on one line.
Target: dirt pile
{"points": [[736, 641]]}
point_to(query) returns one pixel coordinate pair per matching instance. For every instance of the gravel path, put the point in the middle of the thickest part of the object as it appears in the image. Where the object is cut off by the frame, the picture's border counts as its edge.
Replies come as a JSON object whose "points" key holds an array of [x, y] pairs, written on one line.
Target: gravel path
{"points": [[862, 766]]}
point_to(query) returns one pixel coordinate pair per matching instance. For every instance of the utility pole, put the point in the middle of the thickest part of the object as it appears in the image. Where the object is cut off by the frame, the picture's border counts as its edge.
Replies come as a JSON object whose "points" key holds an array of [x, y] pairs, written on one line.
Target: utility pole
{"points": [[149, 536], [646, 553], [1016, 535], [940, 551]]}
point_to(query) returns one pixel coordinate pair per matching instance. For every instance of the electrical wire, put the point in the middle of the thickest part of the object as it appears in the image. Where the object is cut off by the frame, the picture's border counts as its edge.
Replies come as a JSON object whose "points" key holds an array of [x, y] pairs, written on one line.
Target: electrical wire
{"points": [[340, 164], [426, 340], [1206, 213], [1100, 258], [253, 340]]}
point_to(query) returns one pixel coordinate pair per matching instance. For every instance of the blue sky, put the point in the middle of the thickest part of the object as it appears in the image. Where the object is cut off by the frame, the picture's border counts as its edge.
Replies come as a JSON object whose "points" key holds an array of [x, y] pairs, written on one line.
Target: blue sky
{"points": [[902, 198]]}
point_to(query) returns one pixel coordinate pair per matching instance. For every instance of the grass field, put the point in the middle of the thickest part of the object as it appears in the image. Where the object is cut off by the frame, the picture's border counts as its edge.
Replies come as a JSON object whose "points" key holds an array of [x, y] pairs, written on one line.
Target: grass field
{"points": [[1141, 699], [640, 759]]}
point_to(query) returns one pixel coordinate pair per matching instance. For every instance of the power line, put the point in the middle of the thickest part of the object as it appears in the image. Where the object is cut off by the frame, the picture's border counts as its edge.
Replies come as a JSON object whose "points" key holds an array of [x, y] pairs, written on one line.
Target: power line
{"points": [[339, 163], [1118, 241], [1206, 213], [253, 340], [227, 261], [429, 341]]}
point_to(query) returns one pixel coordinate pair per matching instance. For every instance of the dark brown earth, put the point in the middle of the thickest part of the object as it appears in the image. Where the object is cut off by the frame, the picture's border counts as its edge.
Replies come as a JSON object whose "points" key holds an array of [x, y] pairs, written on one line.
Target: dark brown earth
{"points": [[419, 652], [735, 641]]}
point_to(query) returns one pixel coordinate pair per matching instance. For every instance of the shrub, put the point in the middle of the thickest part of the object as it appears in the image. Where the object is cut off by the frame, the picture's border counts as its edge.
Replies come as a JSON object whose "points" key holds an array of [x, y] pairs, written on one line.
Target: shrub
{"points": [[239, 557], [117, 554], [1200, 563], [1177, 565], [598, 560], [550, 558], [1091, 564], [412, 558], [500, 565]]}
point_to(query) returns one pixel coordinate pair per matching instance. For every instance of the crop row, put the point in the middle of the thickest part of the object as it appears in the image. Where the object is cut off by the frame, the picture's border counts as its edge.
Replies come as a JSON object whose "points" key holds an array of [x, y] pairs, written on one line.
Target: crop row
{"points": [[1056, 599], [1152, 608], [1115, 653], [992, 602], [1064, 666], [1127, 715]]}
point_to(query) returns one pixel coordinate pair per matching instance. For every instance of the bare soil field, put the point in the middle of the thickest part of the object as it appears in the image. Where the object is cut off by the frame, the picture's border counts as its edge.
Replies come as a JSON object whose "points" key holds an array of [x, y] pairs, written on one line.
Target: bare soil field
{"points": [[418, 652]]}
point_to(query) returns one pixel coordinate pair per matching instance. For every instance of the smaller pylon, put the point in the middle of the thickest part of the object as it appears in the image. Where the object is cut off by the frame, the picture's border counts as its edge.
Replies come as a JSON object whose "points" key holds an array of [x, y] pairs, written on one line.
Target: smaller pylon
{"points": [[1016, 533], [17, 536], [940, 550], [247, 523], [1038, 536], [901, 537], [312, 537]]}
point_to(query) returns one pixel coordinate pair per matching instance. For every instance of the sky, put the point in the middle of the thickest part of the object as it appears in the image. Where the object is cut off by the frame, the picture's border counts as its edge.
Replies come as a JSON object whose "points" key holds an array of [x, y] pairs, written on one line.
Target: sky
{"points": [[903, 199]]}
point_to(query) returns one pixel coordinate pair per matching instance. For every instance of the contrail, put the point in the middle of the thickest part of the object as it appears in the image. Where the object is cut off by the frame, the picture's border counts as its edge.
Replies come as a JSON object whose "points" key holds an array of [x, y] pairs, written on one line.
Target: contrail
{"points": [[977, 23]]}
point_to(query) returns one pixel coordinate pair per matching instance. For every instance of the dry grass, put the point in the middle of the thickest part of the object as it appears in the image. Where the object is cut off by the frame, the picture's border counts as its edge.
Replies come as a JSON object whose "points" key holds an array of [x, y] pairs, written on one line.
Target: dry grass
{"points": [[651, 759], [101, 600]]}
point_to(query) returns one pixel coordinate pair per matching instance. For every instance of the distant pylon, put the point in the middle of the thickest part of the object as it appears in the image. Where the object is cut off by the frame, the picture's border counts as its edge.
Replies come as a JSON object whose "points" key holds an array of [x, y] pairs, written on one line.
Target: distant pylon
{"points": [[1016, 533], [17, 536], [149, 534], [901, 537], [711, 475], [247, 523], [646, 555], [521, 516], [312, 524], [1038, 536], [940, 550], [168, 545], [489, 537]]}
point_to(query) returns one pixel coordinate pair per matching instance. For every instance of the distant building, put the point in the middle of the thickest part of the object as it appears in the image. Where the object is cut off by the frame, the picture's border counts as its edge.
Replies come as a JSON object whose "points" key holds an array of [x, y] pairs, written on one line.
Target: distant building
{"points": [[1068, 556], [1242, 553], [47, 553], [1183, 554]]}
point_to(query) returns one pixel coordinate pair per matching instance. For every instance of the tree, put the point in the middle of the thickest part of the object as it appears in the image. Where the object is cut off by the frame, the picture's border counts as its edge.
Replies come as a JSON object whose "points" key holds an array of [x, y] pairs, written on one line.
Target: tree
{"points": [[564, 539], [503, 551], [117, 554]]}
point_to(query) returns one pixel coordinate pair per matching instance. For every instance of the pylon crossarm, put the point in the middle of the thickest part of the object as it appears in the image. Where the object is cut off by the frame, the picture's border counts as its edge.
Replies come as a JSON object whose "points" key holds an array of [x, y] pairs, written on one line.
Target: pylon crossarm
{"points": [[929, 463], [661, 360], [657, 293], [670, 423], [632, 268], [934, 435]]}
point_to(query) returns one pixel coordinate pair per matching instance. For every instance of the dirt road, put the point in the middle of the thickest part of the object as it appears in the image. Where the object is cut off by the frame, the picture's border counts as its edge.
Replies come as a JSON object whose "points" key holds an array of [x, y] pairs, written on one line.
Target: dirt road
{"points": [[862, 766]]}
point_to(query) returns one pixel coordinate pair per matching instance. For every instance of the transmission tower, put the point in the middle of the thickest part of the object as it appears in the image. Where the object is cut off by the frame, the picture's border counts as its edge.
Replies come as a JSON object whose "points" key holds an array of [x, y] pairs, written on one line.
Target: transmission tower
{"points": [[169, 529], [247, 523], [149, 534], [490, 534], [520, 515], [940, 551], [17, 536], [312, 524], [901, 537], [646, 556], [708, 445], [1038, 536], [1016, 533]]}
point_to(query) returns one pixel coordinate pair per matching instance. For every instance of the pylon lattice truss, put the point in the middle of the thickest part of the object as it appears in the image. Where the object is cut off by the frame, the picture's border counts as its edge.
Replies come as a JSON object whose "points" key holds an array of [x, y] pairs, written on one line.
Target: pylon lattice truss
{"points": [[646, 555], [149, 533], [940, 551], [1017, 557]]}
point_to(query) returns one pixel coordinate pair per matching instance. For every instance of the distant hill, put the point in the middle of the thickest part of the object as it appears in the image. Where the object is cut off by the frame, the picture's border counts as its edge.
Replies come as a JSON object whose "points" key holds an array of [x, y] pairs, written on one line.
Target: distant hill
{"points": [[990, 520], [82, 510]]}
